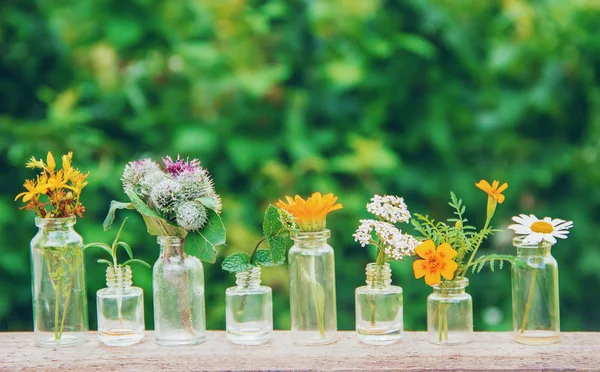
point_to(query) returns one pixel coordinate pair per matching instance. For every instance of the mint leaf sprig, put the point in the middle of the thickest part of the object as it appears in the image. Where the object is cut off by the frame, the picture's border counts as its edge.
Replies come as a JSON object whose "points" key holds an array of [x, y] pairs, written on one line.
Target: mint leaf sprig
{"points": [[277, 227]]}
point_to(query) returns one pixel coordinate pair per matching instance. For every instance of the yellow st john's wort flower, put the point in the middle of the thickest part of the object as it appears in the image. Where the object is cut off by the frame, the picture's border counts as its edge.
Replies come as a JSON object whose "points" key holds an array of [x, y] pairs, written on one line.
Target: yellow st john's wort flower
{"points": [[434, 263], [494, 192], [311, 214], [33, 190]]}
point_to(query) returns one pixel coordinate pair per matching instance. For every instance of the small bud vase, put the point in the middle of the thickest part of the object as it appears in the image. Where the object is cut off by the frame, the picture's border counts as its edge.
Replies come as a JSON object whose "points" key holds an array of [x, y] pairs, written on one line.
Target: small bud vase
{"points": [[312, 289], [379, 307], [58, 284], [535, 301], [450, 313], [178, 288], [249, 309], [120, 309]]}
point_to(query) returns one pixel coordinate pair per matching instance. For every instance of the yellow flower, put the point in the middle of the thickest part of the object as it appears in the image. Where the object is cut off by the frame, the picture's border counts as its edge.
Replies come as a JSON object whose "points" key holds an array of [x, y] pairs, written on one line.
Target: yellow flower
{"points": [[311, 214], [494, 192], [435, 263], [50, 163], [34, 163], [33, 190]]}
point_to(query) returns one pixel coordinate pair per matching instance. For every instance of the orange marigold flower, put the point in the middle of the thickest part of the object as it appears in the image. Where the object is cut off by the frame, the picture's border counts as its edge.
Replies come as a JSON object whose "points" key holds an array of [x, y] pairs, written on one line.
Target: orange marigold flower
{"points": [[311, 214], [494, 190], [435, 263]]}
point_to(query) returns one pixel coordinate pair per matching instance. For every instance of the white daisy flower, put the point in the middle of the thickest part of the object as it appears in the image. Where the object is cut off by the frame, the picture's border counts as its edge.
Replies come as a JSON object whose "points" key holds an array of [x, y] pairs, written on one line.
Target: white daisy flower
{"points": [[536, 230]]}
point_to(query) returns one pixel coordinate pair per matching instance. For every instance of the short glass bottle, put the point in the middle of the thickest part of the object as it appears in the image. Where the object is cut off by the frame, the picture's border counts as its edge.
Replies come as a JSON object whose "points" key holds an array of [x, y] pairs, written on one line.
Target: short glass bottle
{"points": [[312, 289], [379, 318], [450, 313], [178, 288], [535, 301], [249, 308], [60, 315], [120, 309]]}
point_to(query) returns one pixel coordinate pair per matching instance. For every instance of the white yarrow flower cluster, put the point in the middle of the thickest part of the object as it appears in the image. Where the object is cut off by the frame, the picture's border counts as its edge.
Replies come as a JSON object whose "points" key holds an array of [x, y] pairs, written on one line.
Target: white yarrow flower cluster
{"points": [[390, 208], [396, 244]]}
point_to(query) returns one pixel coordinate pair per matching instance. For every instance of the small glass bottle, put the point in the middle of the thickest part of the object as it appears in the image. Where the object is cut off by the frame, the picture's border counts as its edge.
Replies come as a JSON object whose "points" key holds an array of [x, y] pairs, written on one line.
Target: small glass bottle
{"points": [[120, 309], [536, 313], [312, 289], [60, 315], [249, 308], [379, 307], [450, 313], [178, 288]]}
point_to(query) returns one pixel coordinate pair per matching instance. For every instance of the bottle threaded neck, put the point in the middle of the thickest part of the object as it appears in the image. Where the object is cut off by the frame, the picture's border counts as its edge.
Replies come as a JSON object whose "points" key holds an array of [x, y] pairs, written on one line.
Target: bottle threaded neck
{"points": [[249, 278], [119, 277], [378, 276]]}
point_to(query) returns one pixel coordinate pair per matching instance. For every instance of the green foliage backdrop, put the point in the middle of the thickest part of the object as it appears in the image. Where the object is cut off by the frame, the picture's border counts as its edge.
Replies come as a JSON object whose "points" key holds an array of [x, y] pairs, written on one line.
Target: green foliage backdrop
{"points": [[276, 97]]}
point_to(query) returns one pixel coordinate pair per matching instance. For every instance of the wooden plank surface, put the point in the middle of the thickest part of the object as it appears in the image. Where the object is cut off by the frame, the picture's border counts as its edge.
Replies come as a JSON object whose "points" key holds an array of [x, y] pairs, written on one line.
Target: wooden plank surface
{"points": [[489, 352]]}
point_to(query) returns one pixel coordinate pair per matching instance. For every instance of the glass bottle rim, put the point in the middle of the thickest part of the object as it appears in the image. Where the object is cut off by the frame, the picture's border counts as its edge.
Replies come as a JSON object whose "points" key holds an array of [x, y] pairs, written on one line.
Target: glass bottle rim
{"points": [[311, 235], [164, 239], [518, 243], [42, 221], [457, 283]]}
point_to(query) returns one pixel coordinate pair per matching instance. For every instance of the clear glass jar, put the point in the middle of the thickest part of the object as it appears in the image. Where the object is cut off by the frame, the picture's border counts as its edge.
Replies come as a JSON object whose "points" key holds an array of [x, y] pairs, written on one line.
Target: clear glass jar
{"points": [[450, 313], [312, 289], [249, 308], [120, 309], [58, 284], [379, 307], [536, 317], [178, 288]]}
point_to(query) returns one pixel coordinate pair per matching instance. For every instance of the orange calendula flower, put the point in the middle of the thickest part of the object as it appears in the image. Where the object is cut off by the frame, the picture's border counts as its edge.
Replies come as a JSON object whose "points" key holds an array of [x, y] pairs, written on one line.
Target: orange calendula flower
{"points": [[494, 192], [311, 214], [435, 263]]}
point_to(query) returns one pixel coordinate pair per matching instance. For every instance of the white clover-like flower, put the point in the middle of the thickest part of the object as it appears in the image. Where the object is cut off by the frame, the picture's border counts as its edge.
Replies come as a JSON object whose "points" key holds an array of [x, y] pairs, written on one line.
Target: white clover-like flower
{"points": [[136, 171], [536, 230], [395, 243], [390, 208], [191, 215], [164, 195]]}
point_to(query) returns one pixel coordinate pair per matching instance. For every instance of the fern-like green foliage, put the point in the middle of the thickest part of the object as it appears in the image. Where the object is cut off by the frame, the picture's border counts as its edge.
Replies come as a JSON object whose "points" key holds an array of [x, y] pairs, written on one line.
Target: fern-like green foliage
{"points": [[491, 260], [461, 236]]}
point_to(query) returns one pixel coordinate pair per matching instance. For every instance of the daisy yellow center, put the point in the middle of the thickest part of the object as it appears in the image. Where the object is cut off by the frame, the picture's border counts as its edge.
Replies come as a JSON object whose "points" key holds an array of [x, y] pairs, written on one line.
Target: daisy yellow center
{"points": [[542, 227]]}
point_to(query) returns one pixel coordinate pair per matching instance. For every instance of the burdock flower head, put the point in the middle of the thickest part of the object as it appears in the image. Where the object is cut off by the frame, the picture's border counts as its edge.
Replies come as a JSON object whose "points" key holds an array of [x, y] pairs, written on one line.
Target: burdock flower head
{"points": [[311, 214]]}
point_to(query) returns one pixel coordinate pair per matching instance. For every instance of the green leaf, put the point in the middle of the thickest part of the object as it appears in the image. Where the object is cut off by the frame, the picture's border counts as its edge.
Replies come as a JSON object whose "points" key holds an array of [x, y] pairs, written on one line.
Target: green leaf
{"points": [[102, 260], [136, 260], [211, 236], [273, 228], [126, 247], [237, 263], [110, 217], [263, 257], [120, 231], [209, 202], [99, 245]]}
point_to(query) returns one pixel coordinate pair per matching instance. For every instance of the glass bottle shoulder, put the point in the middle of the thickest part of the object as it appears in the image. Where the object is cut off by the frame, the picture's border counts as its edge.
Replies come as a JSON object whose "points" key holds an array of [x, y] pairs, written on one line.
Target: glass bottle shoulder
{"points": [[115, 292], [237, 291], [302, 250], [390, 289]]}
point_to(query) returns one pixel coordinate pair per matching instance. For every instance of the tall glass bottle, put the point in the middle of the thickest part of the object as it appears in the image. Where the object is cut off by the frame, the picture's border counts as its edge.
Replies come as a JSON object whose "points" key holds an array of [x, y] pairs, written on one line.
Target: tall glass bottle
{"points": [[178, 287], [450, 313], [536, 313], [379, 307], [312, 289], [249, 308], [120, 309], [58, 284]]}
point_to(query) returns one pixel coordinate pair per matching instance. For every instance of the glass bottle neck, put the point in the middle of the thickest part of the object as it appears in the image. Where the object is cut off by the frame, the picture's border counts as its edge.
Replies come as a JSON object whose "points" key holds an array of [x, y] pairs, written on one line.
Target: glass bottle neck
{"points": [[171, 246], [119, 277], [452, 287], [532, 249], [248, 279], [311, 240], [55, 224], [378, 276]]}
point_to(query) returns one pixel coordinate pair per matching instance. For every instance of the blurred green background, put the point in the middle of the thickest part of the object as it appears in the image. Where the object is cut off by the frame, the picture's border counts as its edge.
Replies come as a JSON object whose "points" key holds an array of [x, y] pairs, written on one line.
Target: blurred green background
{"points": [[277, 97]]}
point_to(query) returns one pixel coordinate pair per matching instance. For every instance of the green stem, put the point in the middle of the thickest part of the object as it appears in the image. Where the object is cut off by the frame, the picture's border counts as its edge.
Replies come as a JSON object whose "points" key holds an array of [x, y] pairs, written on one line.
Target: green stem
{"points": [[56, 309], [65, 308], [463, 272], [531, 291], [320, 312]]}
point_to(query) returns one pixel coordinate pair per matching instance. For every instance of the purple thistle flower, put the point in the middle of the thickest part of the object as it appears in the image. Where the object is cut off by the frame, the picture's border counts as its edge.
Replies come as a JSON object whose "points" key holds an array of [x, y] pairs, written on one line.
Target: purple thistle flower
{"points": [[180, 165]]}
